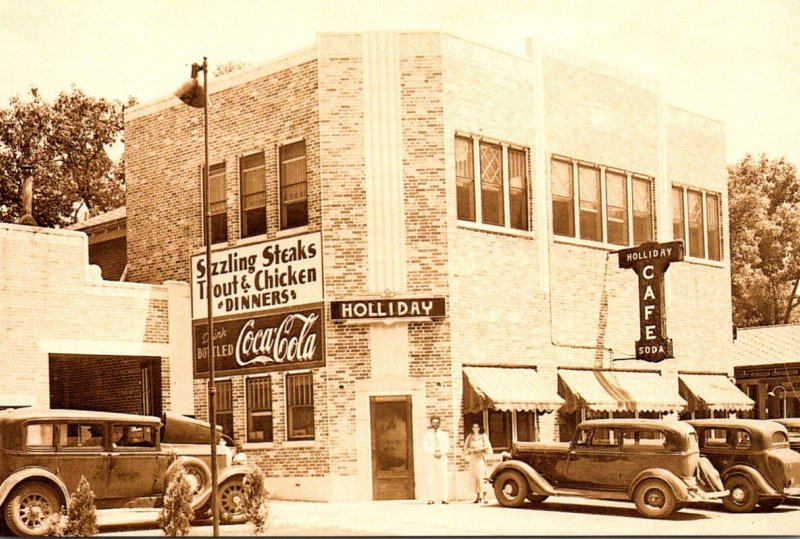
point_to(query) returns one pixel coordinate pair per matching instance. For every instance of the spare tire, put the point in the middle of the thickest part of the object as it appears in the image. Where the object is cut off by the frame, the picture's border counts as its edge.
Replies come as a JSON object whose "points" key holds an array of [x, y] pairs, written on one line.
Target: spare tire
{"points": [[709, 476]]}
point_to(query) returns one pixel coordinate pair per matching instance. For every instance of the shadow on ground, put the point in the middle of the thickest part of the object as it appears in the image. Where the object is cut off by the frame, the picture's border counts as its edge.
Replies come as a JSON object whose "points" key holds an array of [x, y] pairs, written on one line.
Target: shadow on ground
{"points": [[607, 510]]}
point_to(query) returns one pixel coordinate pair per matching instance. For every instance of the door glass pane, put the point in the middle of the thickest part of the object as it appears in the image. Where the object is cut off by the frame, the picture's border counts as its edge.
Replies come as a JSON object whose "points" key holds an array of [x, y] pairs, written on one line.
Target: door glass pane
{"points": [[391, 431]]}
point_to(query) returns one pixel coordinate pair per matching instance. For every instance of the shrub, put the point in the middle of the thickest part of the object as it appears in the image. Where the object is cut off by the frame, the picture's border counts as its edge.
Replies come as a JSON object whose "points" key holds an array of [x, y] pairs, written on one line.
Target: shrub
{"points": [[176, 513], [80, 518], [57, 527], [256, 498]]}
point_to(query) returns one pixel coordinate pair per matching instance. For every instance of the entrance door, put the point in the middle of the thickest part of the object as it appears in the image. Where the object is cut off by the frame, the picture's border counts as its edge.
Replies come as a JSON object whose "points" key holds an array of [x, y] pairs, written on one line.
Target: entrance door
{"points": [[392, 448]]}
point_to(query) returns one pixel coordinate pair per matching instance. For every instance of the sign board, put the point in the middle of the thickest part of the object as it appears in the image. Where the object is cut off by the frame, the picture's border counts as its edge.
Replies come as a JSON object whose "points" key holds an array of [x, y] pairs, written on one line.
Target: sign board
{"points": [[781, 370], [650, 261], [276, 274], [383, 309], [289, 339]]}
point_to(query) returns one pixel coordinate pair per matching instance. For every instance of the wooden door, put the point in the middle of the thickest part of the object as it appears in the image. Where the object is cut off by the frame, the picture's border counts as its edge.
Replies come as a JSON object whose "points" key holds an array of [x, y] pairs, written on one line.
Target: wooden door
{"points": [[392, 448]]}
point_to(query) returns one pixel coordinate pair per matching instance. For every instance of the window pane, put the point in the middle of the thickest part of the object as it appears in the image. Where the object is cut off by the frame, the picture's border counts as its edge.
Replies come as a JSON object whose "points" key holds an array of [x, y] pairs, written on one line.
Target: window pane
{"points": [[133, 436], [589, 191], [492, 184], [259, 427], [696, 242], [39, 435], [500, 430], [617, 208], [714, 234], [526, 426], [518, 187], [642, 211], [73, 435], [219, 204], [294, 193], [604, 438], [253, 195], [678, 214], [465, 179], [224, 406], [563, 209], [300, 406]]}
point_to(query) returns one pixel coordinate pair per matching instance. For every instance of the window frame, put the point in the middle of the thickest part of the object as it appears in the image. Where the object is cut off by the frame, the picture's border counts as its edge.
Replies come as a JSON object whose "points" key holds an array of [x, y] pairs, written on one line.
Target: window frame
{"points": [[261, 413], [219, 383], [469, 182], [243, 233], [704, 195], [289, 436], [204, 227], [282, 219]]}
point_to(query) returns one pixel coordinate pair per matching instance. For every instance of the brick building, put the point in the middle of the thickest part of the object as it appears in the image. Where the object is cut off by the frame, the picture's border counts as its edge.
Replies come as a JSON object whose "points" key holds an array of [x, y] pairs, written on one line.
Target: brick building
{"points": [[108, 247], [438, 219]]}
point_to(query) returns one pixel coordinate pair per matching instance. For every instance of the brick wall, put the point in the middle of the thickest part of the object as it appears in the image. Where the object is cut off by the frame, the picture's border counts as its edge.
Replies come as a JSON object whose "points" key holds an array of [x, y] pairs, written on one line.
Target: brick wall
{"points": [[111, 256]]}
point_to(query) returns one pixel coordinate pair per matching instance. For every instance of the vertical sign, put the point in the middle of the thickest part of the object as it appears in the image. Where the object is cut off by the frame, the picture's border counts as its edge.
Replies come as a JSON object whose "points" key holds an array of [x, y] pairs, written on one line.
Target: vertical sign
{"points": [[650, 261]]}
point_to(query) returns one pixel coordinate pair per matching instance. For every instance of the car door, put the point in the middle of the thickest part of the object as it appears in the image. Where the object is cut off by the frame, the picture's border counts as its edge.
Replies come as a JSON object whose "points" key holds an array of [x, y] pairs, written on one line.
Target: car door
{"points": [[593, 459], [81, 452], [643, 448], [136, 463]]}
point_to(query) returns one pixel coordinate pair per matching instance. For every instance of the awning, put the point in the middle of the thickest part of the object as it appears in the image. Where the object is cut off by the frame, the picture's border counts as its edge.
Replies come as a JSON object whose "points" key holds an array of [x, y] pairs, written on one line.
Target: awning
{"points": [[713, 392], [507, 388], [618, 391]]}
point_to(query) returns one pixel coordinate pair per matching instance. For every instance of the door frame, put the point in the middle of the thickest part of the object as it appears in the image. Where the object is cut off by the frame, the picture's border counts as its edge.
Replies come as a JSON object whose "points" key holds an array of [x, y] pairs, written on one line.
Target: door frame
{"points": [[408, 400]]}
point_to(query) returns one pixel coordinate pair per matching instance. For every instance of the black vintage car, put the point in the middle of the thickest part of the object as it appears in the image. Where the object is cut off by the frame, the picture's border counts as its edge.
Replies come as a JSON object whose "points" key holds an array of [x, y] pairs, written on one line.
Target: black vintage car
{"points": [[654, 463], [754, 459]]}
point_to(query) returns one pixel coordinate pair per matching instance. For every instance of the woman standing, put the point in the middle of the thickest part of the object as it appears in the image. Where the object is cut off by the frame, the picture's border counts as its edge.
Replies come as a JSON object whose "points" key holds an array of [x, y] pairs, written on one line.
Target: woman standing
{"points": [[477, 447]]}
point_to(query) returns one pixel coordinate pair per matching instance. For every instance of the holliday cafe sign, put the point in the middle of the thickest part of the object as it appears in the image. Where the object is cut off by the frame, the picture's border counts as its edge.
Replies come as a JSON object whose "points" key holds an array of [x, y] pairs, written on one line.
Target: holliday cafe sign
{"points": [[383, 309], [268, 275], [291, 339], [650, 261]]}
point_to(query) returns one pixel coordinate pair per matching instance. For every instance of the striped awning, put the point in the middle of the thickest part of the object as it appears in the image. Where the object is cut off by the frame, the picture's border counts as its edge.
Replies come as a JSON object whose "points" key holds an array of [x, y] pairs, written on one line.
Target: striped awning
{"points": [[618, 391], [507, 388], [713, 392]]}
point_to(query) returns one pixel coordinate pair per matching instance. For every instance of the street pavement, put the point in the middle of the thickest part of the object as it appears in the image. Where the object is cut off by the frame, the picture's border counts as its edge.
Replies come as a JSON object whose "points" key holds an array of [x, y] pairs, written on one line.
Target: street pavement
{"points": [[556, 516]]}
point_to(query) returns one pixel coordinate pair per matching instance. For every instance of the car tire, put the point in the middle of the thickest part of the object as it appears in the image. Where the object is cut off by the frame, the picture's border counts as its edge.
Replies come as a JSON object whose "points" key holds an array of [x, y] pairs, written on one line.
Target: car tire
{"points": [[197, 472], [29, 508], [743, 496], [231, 500], [654, 499], [537, 499], [510, 489], [768, 504]]}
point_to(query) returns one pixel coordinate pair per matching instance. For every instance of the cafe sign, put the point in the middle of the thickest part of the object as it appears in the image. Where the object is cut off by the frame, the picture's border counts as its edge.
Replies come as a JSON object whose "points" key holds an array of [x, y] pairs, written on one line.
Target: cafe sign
{"points": [[650, 261], [387, 309], [289, 339], [268, 275]]}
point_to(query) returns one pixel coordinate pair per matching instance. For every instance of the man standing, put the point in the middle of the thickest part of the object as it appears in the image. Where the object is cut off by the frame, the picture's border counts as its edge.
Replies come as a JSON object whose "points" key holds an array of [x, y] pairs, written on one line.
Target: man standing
{"points": [[437, 445]]}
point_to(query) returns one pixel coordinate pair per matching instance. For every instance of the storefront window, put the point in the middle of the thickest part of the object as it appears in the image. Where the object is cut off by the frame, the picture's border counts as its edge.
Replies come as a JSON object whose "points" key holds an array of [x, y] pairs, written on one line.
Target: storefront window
{"points": [[259, 410], [492, 184], [500, 430], [299, 406], [224, 406], [526, 426], [465, 179], [253, 195], [294, 185], [218, 196]]}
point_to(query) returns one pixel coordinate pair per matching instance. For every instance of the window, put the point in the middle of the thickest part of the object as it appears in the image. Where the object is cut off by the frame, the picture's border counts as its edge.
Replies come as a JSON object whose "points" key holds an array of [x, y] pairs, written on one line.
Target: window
{"points": [[714, 235], [253, 195], [492, 184], [299, 406], [563, 207], [604, 437], [779, 438], [678, 215], [294, 185], [642, 210], [465, 179], [518, 189], [224, 406], [75, 436], [526, 426], [259, 410], [500, 430], [742, 439], [644, 440], [697, 246], [715, 438], [219, 205], [39, 436], [148, 398], [589, 190], [617, 207], [138, 436], [583, 437]]}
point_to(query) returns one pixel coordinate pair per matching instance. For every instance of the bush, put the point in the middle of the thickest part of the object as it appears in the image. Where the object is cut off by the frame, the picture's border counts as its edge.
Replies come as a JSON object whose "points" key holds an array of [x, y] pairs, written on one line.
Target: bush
{"points": [[256, 498], [176, 513], [80, 520]]}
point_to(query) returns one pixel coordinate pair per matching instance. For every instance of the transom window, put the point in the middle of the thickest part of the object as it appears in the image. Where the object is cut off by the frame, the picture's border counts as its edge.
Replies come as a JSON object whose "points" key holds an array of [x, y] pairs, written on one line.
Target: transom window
{"points": [[218, 196], [696, 217], [253, 195], [259, 409], [596, 203]]}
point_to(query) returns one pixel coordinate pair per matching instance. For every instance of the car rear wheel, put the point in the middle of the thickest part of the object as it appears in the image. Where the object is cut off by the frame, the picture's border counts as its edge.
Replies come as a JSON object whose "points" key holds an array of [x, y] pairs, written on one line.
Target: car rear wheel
{"points": [[510, 489], [536, 499], [654, 499], [231, 500], [29, 508], [743, 496], [769, 504]]}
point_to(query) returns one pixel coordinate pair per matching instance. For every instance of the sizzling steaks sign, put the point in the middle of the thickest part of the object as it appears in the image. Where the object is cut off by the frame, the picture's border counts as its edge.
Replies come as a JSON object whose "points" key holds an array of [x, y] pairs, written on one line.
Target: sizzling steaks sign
{"points": [[291, 339], [650, 261], [380, 309]]}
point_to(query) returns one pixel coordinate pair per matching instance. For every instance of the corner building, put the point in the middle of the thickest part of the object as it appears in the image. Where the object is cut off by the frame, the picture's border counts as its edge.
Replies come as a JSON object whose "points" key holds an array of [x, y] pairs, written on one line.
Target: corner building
{"points": [[492, 188]]}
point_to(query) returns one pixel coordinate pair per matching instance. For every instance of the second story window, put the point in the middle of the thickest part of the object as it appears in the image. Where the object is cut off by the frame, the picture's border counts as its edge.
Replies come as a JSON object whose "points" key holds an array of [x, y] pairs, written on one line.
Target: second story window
{"points": [[218, 195], [642, 210], [617, 208], [678, 214], [696, 218], [589, 189], [563, 199], [713, 229], [294, 185], [697, 244], [518, 189], [465, 179], [492, 184], [253, 195]]}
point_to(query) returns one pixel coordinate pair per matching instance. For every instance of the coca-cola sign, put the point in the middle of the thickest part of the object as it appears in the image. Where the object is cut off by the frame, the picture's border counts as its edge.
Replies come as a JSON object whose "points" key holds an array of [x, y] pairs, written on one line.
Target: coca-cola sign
{"points": [[290, 339]]}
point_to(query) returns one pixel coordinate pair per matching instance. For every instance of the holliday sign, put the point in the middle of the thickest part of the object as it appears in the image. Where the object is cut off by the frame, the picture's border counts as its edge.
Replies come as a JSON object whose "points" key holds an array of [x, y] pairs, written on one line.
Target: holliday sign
{"points": [[382, 309], [650, 261], [291, 339]]}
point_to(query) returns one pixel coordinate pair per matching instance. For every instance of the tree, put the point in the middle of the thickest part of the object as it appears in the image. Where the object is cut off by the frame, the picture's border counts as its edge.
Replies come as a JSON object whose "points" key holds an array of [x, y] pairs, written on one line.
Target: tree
{"points": [[80, 519], [256, 498], [229, 67], [764, 207], [176, 513], [68, 143]]}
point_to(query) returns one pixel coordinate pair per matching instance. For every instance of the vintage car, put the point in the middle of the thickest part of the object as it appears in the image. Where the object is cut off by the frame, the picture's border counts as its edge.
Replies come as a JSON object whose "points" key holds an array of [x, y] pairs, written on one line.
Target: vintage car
{"points": [[754, 459], [127, 459], [792, 425], [654, 463]]}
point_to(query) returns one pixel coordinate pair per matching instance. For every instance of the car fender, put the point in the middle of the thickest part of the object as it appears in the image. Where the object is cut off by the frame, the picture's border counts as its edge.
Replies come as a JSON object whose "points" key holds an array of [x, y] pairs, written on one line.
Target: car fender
{"points": [[537, 483], [679, 488], [758, 480], [32, 473]]}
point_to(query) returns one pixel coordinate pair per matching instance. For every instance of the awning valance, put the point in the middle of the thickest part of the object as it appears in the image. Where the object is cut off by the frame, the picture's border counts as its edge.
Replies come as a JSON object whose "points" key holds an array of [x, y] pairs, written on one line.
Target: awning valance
{"points": [[507, 389], [618, 391], [713, 392]]}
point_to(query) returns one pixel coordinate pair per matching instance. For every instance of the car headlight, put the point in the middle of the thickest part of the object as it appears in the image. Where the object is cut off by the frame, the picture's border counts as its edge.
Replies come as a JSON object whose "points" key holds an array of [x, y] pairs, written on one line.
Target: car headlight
{"points": [[240, 459]]}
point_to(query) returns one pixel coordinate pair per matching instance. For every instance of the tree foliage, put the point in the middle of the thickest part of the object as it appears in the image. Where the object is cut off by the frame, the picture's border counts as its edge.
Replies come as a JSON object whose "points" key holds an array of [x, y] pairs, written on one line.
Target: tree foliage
{"points": [[80, 519], [67, 141], [764, 207], [256, 498], [176, 513]]}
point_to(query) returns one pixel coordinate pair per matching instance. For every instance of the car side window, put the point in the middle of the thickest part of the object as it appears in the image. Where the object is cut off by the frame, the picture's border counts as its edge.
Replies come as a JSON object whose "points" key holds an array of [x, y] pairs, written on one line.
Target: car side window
{"points": [[78, 435], [582, 440], [133, 436], [604, 437], [742, 439], [40, 436], [715, 438]]}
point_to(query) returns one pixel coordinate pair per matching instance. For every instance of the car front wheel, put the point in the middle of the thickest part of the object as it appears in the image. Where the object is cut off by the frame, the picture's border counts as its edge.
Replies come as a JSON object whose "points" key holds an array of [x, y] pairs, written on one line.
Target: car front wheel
{"points": [[29, 508], [743, 496], [231, 501], [510, 489], [654, 499]]}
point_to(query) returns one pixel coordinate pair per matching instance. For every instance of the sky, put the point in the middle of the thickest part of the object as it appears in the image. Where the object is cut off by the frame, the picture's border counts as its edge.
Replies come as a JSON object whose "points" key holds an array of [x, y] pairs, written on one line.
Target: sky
{"points": [[733, 60]]}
